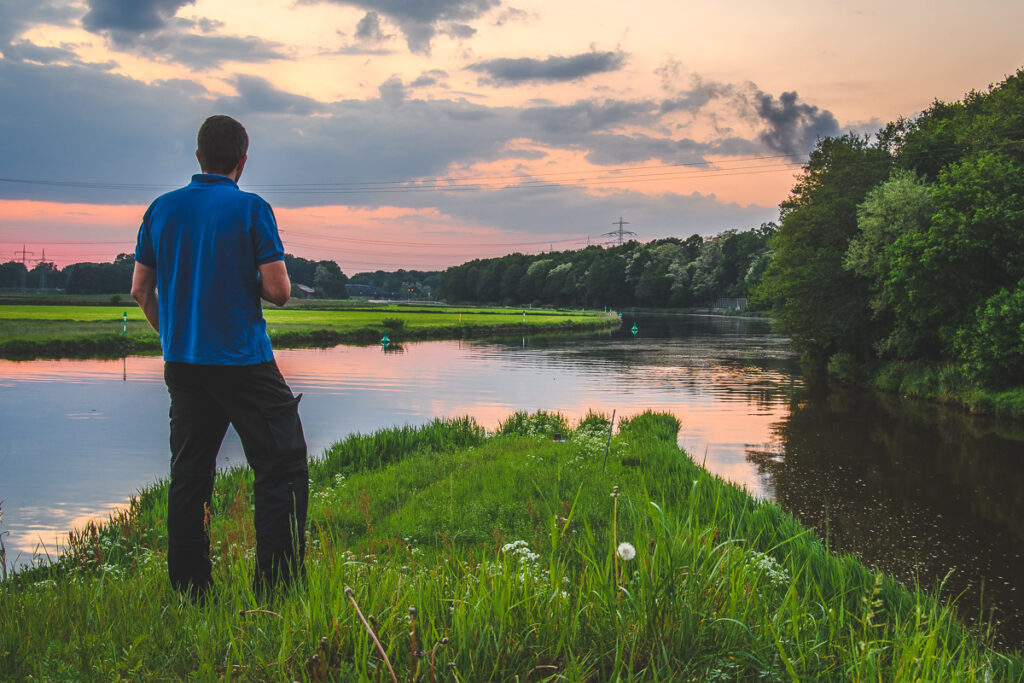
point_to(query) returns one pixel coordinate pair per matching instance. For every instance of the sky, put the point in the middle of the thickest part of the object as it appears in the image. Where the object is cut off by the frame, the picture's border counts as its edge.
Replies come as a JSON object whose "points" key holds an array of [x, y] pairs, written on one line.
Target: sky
{"points": [[420, 134]]}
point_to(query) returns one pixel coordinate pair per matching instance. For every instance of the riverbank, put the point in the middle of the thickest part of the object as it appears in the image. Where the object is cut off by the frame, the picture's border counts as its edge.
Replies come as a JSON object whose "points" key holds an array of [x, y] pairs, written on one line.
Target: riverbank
{"points": [[55, 330], [941, 383], [493, 558]]}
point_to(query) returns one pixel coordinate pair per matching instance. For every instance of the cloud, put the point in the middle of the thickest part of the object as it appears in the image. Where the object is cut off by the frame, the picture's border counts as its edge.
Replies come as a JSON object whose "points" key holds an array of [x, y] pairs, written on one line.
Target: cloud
{"points": [[100, 125], [149, 27], [256, 95], [459, 31], [27, 51], [128, 18], [429, 78], [587, 116], [368, 29], [420, 20], [17, 16], [511, 14], [206, 51], [392, 91], [792, 128], [700, 94], [504, 72]]}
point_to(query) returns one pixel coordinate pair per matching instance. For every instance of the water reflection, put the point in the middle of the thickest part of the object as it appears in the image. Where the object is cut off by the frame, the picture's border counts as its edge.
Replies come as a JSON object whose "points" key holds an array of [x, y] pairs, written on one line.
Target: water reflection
{"points": [[913, 488]]}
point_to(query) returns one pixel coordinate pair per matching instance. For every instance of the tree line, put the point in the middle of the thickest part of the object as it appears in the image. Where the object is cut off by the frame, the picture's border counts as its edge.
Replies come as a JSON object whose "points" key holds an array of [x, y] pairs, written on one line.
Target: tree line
{"points": [[324, 277], [77, 278], [669, 272], [909, 247]]}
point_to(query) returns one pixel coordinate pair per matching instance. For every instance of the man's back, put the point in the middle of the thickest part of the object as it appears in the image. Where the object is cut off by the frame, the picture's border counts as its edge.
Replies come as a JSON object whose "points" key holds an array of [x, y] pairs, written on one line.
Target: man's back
{"points": [[206, 242]]}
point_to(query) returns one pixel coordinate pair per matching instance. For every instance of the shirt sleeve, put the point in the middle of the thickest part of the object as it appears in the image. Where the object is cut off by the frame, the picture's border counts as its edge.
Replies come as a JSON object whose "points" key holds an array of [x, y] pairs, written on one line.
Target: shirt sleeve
{"points": [[144, 253], [266, 242]]}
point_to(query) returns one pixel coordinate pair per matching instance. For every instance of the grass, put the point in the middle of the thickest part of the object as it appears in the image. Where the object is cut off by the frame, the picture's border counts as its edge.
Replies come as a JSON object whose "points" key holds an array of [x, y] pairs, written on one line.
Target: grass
{"points": [[476, 557], [56, 330]]}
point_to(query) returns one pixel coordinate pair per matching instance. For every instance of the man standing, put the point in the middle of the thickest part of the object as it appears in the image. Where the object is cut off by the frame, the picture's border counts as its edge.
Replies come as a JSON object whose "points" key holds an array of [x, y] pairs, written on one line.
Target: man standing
{"points": [[211, 251]]}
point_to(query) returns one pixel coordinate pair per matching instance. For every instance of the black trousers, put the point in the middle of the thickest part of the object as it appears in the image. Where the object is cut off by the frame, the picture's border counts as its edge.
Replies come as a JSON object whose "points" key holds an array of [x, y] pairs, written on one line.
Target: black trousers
{"points": [[256, 400]]}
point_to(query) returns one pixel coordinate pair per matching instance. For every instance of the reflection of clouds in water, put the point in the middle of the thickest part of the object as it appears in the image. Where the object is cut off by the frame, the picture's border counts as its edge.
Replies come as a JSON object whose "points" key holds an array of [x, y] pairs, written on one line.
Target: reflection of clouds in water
{"points": [[82, 371], [43, 530]]}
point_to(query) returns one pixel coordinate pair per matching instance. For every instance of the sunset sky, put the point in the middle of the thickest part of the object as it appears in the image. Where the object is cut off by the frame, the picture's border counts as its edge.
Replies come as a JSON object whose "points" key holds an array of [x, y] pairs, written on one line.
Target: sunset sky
{"points": [[420, 134]]}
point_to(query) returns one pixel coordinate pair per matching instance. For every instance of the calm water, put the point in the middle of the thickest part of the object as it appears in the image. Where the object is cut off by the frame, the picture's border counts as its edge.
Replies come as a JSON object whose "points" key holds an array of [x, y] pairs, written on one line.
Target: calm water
{"points": [[910, 487]]}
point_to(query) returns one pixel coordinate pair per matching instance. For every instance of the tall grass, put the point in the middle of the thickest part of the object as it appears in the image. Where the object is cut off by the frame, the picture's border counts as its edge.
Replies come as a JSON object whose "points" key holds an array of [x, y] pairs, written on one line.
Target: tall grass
{"points": [[477, 558]]}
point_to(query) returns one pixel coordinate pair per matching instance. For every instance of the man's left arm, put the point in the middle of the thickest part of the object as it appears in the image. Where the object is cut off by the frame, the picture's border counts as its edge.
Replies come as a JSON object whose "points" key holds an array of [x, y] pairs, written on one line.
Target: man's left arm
{"points": [[144, 293]]}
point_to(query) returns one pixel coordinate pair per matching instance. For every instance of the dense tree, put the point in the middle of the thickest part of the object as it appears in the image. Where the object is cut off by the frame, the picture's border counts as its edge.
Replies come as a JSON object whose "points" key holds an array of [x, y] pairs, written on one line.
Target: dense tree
{"points": [[45, 275], [488, 282], [514, 270], [531, 287], [973, 247], [991, 348], [328, 281], [654, 274], [100, 278], [900, 206], [13, 274], [300, 270], [605, 280], [822, 306], [933, 262]]}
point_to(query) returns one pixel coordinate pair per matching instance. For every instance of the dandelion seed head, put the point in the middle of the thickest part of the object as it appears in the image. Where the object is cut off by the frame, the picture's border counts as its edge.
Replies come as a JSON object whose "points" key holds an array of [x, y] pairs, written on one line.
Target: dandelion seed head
{"points": [[626, 551]]}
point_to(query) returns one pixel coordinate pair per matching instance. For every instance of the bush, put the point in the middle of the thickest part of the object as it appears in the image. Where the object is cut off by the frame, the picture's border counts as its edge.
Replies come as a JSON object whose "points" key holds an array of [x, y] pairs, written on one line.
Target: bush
{"points": [[992, 350], [541, 423], [393, 325], [843, 366]]}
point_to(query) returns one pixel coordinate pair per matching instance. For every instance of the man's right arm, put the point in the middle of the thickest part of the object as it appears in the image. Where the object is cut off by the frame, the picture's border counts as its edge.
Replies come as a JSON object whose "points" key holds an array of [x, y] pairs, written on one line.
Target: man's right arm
{"points": [[144, 293]]}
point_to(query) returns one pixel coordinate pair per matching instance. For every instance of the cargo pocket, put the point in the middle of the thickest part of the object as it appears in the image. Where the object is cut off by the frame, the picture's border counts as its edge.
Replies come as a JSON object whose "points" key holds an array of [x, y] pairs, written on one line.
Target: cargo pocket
{"points": [[286, 427]]}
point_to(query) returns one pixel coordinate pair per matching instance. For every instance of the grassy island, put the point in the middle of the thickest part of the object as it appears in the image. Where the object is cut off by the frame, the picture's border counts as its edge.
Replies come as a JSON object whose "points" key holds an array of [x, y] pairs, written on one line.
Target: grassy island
{"points": [[55, 330], [472, 557]]}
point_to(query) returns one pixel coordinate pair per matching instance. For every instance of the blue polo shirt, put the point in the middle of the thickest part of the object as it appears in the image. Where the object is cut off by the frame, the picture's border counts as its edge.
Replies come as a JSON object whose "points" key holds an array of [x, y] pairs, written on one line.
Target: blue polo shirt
{"points": [[206, 242]]}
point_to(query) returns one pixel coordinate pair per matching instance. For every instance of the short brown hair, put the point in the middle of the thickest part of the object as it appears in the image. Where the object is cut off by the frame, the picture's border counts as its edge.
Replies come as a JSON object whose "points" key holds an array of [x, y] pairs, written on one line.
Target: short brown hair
{"points": [[221, 144]]}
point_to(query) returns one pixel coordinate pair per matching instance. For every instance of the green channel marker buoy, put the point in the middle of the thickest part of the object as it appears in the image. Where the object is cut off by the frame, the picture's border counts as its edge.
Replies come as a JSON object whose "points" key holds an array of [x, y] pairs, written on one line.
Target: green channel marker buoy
{"points": [[384, 340], [634, 329], [124, 318]]}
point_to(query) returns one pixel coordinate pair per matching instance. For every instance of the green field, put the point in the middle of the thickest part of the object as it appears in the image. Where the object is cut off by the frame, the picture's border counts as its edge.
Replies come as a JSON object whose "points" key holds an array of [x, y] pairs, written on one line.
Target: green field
{"points": [[55, 330], [493, 558]]}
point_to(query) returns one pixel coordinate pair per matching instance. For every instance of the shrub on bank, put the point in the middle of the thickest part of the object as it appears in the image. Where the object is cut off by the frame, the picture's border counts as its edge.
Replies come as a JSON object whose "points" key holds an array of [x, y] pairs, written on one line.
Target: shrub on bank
{"points": [[946, 383]]}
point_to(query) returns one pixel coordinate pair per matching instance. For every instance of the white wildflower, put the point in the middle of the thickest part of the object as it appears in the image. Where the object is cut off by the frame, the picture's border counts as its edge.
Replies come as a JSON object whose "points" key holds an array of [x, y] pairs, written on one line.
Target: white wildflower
{"points": [[626, 551]]}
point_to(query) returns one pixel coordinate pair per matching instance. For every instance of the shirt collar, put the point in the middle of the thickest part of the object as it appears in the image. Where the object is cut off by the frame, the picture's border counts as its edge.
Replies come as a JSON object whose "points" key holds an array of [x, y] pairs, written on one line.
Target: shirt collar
{"points": [[212, 179]]}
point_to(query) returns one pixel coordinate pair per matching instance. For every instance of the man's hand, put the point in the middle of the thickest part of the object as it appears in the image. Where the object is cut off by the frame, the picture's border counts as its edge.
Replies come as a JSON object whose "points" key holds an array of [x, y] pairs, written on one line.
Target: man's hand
{"points": [[144, 293], [275, 286]]}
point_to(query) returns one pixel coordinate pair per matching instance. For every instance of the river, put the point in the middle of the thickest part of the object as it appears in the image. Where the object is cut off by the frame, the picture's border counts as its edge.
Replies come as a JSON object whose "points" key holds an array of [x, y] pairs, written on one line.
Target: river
{"points": [[913, 488]]}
